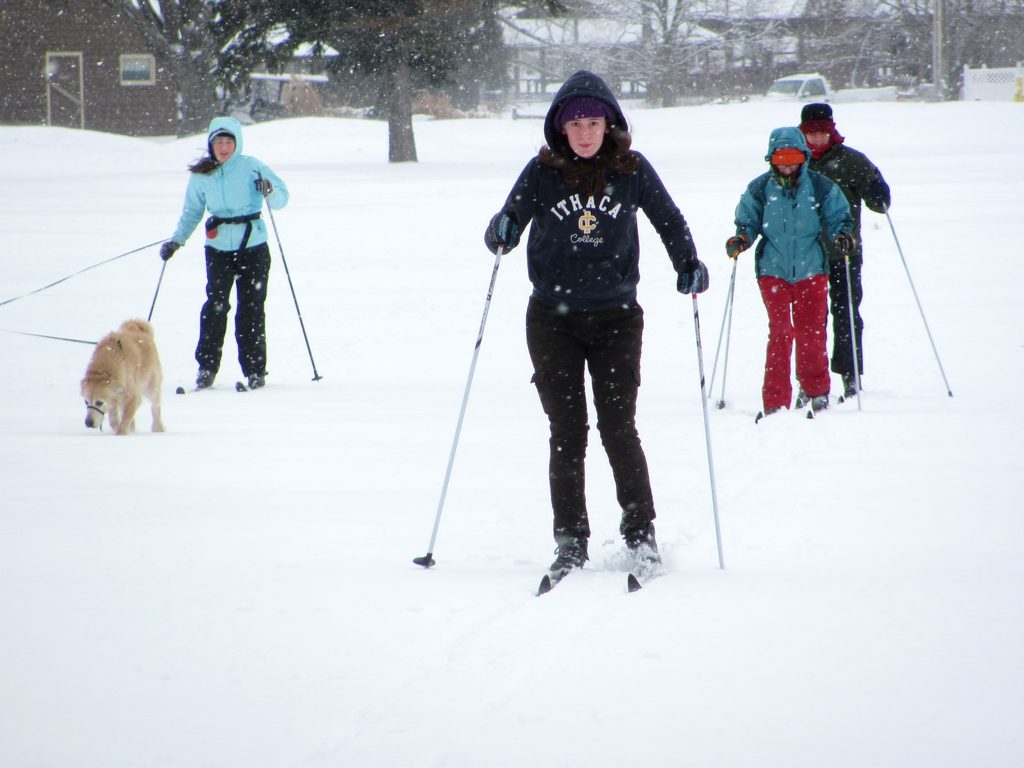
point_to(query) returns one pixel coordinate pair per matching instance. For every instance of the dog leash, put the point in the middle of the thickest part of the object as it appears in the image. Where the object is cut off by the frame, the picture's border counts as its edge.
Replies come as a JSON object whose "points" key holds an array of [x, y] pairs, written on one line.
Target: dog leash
{"points": [[46, 336], [86, 269]]}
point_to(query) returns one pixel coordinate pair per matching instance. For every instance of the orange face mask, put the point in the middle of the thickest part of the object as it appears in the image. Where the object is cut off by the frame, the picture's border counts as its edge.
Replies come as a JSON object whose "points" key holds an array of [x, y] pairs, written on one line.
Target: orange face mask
{"points": [[788, 156]]}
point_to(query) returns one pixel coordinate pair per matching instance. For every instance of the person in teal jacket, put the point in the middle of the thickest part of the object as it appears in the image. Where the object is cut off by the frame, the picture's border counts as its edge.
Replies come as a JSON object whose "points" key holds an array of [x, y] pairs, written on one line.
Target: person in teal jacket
{"points": [[793, 210], [231, 186]]}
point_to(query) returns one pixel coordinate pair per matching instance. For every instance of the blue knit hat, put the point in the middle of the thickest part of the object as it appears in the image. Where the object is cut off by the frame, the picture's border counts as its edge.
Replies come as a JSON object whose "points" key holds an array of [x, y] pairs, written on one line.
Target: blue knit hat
{"points": [[579, 107]]}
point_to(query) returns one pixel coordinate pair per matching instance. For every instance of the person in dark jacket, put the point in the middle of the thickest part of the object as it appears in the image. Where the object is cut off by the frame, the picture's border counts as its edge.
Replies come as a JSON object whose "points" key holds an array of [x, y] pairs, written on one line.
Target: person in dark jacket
{"points": [[792, 210], [580, 195], [231, 186], [860, 181]]}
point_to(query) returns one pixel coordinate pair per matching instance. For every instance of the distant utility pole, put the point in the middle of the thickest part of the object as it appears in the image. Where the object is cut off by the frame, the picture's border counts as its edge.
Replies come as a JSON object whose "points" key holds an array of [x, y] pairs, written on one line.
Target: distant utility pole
{"points": [[938, 50]]}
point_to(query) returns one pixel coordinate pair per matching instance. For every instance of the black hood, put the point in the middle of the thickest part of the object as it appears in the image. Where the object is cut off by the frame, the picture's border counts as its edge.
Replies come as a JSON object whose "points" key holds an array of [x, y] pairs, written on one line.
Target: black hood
{"points": [[582, 83]]}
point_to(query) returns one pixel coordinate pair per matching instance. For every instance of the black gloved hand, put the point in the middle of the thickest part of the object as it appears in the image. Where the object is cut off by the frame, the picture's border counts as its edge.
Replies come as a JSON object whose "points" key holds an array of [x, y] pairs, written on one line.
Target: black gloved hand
{"points": [[167, 249], [505, 231], [694, 279], [736, 245], [263, 186], [845, 243], [878, 197]]}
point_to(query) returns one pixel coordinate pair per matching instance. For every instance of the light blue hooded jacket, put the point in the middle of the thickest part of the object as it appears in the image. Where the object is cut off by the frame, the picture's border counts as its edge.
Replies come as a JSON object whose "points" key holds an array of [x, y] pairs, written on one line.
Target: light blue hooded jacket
{"points": [[229, 191], [790, 220]]}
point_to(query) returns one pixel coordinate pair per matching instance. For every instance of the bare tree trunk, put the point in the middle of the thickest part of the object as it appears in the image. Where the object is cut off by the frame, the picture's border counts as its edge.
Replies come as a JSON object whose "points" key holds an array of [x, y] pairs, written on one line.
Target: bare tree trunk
{"points": [[195, 59], [179, 35], [197, 97], [398, 93]]}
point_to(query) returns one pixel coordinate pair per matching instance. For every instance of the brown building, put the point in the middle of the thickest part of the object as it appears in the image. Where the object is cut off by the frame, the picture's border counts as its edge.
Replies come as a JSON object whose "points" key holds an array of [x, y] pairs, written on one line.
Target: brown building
{"points": [[80, 64]]}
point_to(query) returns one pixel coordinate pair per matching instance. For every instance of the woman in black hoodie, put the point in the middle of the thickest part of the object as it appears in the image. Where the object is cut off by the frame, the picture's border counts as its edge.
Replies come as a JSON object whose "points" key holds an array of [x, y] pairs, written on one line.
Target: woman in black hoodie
{"points": [[581, 193]]}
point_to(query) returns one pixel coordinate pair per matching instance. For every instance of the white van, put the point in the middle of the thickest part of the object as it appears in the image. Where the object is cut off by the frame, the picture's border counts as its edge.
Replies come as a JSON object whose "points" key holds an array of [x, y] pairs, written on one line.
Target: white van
{"points": [[806, 87]]}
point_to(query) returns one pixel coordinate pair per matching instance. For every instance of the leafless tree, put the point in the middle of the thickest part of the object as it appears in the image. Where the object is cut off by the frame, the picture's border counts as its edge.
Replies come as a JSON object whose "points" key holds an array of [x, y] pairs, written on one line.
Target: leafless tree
{"points": [[184, 36]]}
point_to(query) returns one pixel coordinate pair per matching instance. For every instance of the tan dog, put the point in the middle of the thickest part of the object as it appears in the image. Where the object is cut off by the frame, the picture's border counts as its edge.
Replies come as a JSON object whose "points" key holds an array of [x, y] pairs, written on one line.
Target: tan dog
{"points": [[124, 368]]}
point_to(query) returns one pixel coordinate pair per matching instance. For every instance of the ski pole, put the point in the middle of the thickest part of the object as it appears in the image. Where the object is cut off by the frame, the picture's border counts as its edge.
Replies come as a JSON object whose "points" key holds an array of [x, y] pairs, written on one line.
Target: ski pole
{"points": [[302, 325], [728, 334], [428, 559], [157, 293], [707, 432], [919, 308], [86, 269], [853, 327]]}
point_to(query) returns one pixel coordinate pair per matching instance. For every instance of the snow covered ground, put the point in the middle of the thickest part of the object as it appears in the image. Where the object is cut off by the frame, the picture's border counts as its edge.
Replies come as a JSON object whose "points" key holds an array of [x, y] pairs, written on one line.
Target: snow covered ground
{"points": [[239, 593]]}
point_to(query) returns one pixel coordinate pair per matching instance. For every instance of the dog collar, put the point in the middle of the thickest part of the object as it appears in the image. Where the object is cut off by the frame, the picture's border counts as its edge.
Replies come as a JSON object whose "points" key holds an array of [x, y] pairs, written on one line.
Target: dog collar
{"points": [[100, 411]]}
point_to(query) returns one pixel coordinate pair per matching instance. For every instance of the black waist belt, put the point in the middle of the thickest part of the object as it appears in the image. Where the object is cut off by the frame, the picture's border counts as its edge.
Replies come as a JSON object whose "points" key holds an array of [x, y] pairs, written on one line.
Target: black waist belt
{"points": [[215, 221]]}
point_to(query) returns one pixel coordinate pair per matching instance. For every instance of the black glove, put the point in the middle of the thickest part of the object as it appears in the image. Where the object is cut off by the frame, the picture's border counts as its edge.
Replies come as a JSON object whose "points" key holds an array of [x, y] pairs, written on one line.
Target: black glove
{"points": [[693, 279], [845, 243], [736, 245], [504, 231], [878, 198], [263, 186], [167, 249]]}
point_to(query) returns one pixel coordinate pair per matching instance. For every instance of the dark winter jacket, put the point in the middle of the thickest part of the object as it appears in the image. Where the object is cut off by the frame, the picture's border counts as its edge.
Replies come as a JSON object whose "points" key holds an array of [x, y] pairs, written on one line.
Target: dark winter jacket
{"points": [[860, 180], [792, 222], [583, 251]]}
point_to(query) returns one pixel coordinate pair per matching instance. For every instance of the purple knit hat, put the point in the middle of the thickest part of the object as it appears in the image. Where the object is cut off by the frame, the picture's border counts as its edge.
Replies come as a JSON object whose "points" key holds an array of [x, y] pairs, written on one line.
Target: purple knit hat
{"points": [[579, 107]]}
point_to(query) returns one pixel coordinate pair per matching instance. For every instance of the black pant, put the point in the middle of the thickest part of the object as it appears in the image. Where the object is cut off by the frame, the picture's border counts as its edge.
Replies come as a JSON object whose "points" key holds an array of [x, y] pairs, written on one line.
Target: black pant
{"points": [[608, 343], [842, 350], [248, 271]]}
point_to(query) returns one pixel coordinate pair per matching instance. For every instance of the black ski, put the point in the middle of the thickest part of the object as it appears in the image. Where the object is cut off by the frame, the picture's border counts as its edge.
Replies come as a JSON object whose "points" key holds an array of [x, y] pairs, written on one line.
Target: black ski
{"points": [[642, 574], [813, 414], [183, 391], [634, 581], [240, 387], [550, 581]]}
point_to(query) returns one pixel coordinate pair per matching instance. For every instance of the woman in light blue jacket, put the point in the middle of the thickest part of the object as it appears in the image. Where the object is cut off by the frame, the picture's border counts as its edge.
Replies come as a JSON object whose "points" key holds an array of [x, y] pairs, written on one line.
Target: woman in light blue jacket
{"points": [[231, 186], [792, 209]]}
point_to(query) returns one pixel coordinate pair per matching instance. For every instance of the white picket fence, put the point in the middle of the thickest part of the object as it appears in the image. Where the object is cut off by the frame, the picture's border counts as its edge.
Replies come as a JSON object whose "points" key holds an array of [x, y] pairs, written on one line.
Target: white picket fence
{"points": [[997, 84]]}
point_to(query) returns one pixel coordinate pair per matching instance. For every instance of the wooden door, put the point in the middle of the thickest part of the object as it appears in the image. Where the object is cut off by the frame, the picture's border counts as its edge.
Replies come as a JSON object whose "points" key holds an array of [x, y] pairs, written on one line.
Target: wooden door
{"points": [[65, 90]]}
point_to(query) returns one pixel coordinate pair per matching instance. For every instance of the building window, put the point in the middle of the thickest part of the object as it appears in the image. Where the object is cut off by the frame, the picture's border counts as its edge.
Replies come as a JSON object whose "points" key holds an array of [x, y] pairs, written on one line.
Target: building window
{"points": [[138, 69]]}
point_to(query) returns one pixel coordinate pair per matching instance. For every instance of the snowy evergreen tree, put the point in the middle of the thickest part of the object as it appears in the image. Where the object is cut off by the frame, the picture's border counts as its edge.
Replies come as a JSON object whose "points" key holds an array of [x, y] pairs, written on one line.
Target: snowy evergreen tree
{"points": [[396, 45]]}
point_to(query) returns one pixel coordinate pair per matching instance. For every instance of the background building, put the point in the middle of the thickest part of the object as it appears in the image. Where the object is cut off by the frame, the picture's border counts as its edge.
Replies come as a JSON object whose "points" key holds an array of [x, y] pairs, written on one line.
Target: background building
{"points": [[79, 64]]}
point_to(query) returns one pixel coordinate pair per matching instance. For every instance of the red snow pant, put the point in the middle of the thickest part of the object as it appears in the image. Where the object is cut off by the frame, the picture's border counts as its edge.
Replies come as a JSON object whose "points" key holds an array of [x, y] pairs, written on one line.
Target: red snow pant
{"points": [[796, 311]]}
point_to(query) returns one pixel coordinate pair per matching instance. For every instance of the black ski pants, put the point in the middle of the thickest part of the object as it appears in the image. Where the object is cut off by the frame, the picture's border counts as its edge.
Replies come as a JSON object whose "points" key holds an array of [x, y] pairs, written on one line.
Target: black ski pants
{"points": [[839, 300], [562, 345], [247, 270]]}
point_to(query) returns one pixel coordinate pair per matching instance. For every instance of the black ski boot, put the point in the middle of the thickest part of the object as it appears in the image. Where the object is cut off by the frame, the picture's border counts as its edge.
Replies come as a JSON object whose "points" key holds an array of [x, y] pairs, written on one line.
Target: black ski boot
{"points": [[204, 378], [644, 548], [570, 553], [801, 399], [819, 403]]}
